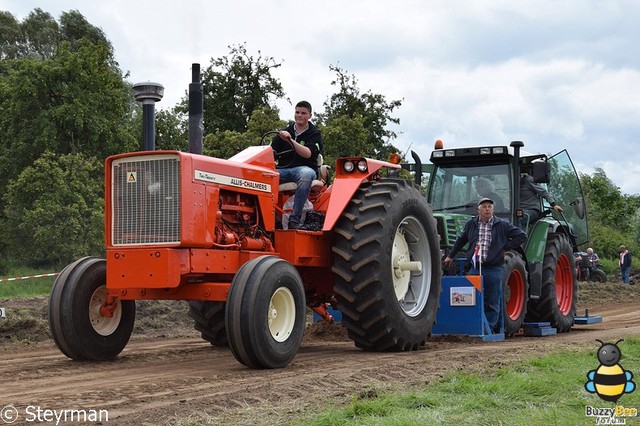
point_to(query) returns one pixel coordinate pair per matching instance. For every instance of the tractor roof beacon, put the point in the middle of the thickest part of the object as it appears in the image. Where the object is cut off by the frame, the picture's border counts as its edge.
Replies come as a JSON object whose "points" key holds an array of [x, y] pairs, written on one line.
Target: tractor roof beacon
{"points": [[185, 226], [540, 281]]}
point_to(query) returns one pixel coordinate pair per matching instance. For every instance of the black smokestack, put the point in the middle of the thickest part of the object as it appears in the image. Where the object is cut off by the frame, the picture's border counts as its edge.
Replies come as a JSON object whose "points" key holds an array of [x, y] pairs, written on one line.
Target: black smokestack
{"points": [[196, 127], [148, 93]]}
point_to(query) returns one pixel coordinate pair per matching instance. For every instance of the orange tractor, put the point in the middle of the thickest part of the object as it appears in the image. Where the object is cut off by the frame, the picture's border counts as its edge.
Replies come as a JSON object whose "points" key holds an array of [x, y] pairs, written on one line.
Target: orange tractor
{"points": [[185, 226]]}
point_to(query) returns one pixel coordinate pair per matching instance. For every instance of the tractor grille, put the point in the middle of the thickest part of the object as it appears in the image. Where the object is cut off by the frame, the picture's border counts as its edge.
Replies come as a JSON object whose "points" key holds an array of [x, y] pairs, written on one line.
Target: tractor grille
{"points": [[145, 204], [448, 229]]}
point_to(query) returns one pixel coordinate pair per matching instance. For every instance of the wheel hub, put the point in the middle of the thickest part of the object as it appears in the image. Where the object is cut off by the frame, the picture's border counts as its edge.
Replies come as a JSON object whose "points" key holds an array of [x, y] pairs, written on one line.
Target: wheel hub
{"points": [[103, 325], [402, 265], [281, 314]]}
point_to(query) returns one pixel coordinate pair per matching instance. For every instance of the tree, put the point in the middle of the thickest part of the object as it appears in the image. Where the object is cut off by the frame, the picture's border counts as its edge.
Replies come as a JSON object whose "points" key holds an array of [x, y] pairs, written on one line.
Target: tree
{"points": [[11, 38], [348, 136], [227, 143], [41, 34], [74, 28], [235, 85], [72, 103], [613, 217], [54, 210], [61, 93], [38, 36], [373, 109], [171, 130]]}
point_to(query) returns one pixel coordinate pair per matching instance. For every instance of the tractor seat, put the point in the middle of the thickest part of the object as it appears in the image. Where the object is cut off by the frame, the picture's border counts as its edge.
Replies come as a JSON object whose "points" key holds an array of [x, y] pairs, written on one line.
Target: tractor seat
{"points": [[316, 184]]}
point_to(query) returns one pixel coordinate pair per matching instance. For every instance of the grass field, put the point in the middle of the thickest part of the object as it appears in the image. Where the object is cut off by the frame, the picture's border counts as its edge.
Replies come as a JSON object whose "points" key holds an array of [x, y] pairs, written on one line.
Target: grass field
{"points": [[549, 390], [26, 287]]}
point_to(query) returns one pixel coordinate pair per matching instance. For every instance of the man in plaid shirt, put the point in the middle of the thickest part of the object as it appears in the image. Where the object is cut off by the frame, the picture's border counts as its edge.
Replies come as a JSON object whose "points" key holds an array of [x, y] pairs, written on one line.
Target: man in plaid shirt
{"points": [[488, 237]]}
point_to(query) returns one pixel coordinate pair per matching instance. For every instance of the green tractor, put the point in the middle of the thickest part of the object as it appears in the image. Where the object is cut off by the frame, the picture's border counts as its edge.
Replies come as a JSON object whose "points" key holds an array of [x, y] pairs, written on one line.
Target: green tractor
{"points": [[540, 283]]}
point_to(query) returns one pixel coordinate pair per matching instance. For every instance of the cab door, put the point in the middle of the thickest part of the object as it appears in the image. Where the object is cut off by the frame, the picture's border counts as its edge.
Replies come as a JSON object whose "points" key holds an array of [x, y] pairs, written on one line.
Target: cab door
{"points": [[565, 188]]}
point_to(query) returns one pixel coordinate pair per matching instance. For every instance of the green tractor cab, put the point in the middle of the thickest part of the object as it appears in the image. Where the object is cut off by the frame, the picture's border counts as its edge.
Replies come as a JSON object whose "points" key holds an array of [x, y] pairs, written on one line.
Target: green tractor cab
{"points": [[540, 281]]}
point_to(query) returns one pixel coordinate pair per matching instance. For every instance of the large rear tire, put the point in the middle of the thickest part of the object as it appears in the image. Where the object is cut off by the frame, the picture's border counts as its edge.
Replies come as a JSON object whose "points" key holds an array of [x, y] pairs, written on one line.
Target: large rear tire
{"points": [[77, 325], [265, 314], [515, 292], [387, 266], [559, 293], [208, 319]]}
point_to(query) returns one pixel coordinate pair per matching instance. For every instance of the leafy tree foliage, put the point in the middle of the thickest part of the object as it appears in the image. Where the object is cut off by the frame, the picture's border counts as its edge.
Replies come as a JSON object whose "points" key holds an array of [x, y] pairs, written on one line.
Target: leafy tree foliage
{"points": [[61, 93], [613, 216], [38, 36], [235, 86], [343, 136], [54, 210], [11, 39], [72, 103], [41, 35], [172, 130], [227, 143], [371, 108]]}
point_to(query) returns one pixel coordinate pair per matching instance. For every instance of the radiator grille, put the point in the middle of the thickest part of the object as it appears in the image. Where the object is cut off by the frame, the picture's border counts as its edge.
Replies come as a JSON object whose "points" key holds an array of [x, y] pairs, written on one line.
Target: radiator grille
{"points": [[145, 205]]}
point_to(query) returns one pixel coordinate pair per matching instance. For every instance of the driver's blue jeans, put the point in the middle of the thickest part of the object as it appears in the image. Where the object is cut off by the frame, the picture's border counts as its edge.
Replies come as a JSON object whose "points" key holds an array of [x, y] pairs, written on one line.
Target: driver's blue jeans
{"points": [[302, 176], [492, 282]]}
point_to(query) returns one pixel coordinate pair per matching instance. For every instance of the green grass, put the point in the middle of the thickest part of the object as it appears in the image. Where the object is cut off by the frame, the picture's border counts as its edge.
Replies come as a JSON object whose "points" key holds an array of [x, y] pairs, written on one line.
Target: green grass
{"points": [[543, 391], [28, 287]]}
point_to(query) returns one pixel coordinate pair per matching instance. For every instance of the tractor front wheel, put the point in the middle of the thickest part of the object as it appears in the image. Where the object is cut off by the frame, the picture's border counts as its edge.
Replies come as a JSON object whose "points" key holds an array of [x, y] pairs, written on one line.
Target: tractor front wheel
{"points": [[516, 290], [559, 293], [85, 324], [266, 311]]}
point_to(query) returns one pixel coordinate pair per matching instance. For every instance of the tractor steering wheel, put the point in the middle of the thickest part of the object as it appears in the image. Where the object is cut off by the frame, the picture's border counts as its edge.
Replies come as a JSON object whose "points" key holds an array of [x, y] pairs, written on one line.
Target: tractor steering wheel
{"points": [[279, 155]]}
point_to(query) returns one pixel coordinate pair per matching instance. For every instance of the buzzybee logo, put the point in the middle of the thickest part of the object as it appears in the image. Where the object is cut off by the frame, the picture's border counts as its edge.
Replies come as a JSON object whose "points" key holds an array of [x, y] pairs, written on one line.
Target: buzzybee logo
{"points": [[610, 381]]}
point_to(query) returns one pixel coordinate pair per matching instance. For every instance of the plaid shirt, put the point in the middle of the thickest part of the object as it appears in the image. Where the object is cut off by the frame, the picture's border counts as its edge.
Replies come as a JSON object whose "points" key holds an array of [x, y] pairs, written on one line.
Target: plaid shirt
{"points": [[484, 237]]}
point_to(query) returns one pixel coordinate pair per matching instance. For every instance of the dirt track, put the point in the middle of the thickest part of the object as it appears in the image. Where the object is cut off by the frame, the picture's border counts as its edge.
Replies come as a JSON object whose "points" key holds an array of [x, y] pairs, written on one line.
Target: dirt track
{"points": [[157, 380]]}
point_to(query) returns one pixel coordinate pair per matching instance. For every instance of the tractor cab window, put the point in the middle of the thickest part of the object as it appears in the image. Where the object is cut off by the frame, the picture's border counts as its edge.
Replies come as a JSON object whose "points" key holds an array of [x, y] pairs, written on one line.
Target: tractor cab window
{"points": [[458, 189]]}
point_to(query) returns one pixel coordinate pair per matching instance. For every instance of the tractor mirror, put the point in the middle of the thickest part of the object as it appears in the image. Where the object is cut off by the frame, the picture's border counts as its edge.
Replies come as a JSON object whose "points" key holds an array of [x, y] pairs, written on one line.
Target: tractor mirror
{"points": [[540, 171], [578, 207]]}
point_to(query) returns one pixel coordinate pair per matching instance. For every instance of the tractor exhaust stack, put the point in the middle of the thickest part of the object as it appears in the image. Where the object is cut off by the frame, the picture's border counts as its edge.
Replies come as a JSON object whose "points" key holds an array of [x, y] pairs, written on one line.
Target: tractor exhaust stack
{"points": [[148, 93], [196, 127]]}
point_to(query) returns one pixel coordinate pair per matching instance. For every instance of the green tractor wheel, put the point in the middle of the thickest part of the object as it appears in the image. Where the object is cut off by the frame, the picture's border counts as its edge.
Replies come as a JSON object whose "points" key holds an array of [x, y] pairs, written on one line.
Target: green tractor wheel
{"points": [[558, 298]]}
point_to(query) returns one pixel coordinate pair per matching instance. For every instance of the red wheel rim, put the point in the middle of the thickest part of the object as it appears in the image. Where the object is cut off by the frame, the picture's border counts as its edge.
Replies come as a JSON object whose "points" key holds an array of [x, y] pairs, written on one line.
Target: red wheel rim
{"points": [[517, 296], [564, 284]]}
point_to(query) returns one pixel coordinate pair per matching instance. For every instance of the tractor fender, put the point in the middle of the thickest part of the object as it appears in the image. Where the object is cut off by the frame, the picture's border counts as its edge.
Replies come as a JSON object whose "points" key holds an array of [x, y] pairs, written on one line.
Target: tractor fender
{"points": [[346, 184], [342, 191], [534, 255]]}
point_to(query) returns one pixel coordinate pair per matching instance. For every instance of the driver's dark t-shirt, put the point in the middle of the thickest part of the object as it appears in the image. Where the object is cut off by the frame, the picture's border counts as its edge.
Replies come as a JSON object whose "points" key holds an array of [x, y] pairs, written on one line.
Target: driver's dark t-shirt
{"points": [[311, 138]]}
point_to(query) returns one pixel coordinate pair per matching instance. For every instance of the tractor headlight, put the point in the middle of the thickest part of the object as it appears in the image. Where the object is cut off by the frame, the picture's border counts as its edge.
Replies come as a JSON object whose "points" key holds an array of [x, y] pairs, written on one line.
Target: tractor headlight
{"points": [[348, 166], [362, 166]]}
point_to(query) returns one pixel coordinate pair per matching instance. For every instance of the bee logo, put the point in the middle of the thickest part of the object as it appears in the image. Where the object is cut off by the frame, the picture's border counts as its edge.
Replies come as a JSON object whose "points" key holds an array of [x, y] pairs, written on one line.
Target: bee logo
{"points": [[610, 381]]}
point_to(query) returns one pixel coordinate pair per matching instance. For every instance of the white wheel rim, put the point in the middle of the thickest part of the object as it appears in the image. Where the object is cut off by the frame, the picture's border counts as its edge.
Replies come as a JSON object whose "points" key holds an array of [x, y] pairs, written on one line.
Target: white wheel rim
{"points": [[410, 266], [104, 326], [281, 314]]}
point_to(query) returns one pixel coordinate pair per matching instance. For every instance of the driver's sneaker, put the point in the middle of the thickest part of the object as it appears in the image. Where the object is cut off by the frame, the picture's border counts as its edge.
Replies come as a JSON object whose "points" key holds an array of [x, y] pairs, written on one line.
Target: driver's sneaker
{"points": [[294, 224]]}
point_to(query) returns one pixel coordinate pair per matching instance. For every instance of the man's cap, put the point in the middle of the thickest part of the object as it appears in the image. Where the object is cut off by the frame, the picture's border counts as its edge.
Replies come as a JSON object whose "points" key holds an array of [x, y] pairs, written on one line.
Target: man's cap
{"points": [[485, 200]]}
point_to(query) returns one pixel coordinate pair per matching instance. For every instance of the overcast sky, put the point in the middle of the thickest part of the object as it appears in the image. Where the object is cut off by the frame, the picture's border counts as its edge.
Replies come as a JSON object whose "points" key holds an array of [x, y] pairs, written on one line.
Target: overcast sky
{"points": [[554, 74]]}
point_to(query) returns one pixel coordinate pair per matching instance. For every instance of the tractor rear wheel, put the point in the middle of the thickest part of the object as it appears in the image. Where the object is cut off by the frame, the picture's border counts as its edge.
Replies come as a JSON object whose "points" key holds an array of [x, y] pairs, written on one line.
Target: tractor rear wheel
{"points": [[598, 275], [266, 312], [515, 292], [559, 293], [79, 328], [387, 266], [209, 321]]}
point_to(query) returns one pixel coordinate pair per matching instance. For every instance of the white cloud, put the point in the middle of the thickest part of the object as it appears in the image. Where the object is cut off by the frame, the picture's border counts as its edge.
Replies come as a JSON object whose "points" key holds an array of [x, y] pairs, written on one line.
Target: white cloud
{"points": [[553, 74]]}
